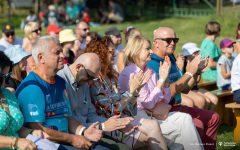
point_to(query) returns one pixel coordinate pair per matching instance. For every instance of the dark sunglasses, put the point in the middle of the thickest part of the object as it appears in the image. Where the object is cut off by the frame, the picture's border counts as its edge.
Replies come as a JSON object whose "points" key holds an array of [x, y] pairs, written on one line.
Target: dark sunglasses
{"points": [[169, 40], [8, 34], [86, 29], [89, 77], [36, 31], [6, 76]]}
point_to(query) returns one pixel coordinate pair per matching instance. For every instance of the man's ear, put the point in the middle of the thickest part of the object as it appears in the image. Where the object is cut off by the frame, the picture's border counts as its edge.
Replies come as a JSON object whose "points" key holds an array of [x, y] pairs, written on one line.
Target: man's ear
{"points": [[41, 58], [78, 67]]}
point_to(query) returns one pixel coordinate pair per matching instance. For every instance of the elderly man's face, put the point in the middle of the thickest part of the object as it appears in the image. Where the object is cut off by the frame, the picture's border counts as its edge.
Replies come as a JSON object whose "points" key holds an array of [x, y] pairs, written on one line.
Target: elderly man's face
{"points": [[54, 58], [165, 42], [82, 29], [9, 37]]}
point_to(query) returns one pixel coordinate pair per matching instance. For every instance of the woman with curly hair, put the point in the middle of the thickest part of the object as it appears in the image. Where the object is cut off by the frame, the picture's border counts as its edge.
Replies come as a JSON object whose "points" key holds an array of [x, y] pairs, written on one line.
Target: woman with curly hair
{"points": [[109, 100]]}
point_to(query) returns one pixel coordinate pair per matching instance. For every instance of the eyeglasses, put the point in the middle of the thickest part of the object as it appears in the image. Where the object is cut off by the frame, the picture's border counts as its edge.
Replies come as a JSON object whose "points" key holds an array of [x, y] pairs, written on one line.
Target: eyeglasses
{"points": [[6, 76], [36, 31], [86, 29], [169, 40], [8, 34], [89, 77]]}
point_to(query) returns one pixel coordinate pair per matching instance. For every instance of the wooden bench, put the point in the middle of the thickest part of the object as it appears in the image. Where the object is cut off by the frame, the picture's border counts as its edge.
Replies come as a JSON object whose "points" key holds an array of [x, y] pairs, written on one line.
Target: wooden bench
{"points": [[207, 85], [224, 97], [236, 111]]}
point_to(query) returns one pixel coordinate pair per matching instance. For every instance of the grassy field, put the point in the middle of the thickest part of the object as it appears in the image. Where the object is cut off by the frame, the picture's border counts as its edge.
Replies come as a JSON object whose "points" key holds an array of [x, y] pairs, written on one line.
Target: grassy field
{"points": [[188, 30]]}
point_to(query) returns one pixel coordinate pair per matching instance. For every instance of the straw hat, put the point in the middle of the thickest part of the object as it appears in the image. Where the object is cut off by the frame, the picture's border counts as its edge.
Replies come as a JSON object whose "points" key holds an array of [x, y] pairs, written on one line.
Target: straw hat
{"points": [[66, 35]]}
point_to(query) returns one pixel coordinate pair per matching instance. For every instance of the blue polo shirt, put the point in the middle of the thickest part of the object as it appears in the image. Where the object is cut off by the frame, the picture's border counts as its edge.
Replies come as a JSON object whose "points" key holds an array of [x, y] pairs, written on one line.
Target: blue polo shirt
{"points": [[44, 101], [174, 74]]}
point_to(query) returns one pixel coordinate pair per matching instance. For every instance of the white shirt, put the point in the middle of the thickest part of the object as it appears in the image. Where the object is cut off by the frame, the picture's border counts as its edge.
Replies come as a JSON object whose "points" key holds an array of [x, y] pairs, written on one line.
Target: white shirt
{"points": [[235, 74], [120, 47], [4, 44]]}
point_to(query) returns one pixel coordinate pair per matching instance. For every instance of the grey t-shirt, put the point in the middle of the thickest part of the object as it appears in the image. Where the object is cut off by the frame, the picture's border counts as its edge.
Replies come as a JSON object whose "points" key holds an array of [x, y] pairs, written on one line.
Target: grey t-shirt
{"points": [[223, 60]]}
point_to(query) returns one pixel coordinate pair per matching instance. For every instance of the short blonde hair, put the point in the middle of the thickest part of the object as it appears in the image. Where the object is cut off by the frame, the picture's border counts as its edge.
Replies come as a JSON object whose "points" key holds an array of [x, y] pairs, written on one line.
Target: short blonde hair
{"points": [[29, 27], [134, 45]]}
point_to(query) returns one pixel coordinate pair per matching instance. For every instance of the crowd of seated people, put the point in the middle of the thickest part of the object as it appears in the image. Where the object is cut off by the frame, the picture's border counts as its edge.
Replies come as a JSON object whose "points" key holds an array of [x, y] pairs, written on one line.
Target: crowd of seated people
{"points": [[82, 90], [68, 13]]}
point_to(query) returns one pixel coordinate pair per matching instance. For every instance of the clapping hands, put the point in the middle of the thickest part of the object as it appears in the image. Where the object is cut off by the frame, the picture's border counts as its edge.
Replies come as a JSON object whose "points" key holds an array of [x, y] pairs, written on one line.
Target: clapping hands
{"points": [[164, 69]]}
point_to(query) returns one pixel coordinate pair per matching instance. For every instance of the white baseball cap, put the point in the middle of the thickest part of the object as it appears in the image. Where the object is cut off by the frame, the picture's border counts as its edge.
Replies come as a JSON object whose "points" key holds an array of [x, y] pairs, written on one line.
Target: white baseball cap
{"points": [[189, 49]]}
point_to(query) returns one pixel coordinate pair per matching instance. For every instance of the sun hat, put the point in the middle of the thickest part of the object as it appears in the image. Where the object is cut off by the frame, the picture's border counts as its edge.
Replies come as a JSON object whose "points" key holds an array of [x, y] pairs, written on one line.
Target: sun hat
{"points": [[112, 31], [66, 35], [53, 28], [16, 53], [189, 49], [226, 43]]}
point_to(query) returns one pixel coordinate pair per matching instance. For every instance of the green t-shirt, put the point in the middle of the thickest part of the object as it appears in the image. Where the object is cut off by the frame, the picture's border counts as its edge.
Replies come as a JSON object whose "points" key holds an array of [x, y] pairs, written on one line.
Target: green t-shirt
{"points": [[208, 47]]}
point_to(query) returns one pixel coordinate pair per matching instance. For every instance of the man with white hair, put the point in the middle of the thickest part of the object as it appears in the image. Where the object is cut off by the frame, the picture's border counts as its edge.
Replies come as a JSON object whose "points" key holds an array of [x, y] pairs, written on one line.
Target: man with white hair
{"points": [[207, 122], [44, 101]]}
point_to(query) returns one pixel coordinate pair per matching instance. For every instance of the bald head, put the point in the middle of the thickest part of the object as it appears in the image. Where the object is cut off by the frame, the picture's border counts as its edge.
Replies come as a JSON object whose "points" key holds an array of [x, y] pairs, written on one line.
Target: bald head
{"points": [[86, 68], [164, 41], [90, 61], [161, 32]]}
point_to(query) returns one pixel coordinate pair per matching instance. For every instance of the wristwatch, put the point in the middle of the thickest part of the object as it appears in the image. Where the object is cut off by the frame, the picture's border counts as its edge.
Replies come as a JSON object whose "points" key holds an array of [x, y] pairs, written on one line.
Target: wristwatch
{"points": [[127, 94]]}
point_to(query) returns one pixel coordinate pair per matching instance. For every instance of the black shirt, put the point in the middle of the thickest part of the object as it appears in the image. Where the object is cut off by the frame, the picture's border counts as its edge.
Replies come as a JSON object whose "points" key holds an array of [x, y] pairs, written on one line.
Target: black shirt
{"points": [[10, 82]]}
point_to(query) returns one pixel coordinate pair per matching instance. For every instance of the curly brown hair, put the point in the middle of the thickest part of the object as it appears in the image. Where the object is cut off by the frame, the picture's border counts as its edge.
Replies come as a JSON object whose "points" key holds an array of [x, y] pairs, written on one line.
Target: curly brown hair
{"points": [[99, 46]]}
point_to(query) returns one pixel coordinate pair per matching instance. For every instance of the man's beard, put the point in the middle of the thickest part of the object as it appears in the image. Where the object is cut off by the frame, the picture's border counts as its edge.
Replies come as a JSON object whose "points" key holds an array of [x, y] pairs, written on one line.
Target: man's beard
{"points": [[11, 41]]}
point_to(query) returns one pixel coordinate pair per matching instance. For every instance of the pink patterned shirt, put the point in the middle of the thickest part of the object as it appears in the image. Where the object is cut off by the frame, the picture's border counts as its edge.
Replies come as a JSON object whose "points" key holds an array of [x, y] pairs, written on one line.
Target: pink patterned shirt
{"points": [[149, 94]]}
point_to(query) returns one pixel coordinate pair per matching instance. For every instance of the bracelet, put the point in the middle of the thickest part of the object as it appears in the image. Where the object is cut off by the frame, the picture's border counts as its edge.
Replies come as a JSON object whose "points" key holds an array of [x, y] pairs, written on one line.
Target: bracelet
{"points": [[191, 75], [100, 125], [84, 131], [14, 143], [161, 80], [81, 131], [103, 127]]}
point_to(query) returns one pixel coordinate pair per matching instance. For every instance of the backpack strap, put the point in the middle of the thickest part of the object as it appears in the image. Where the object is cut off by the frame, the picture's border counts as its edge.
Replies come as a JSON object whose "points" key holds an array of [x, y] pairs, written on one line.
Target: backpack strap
{"points": [[4, 105]]}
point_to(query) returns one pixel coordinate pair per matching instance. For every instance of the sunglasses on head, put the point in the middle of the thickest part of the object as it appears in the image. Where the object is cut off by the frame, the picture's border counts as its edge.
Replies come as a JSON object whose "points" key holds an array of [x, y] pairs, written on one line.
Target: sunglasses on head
{"points": [[86, 29], [89, 77], [8, 34], [6, 76], [36, 31], [169, 40]]}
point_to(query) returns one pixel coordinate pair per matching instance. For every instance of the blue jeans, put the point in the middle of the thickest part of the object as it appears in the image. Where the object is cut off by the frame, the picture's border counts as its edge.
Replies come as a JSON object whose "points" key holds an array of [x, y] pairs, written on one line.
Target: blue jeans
{"points": [[237, 96]]}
